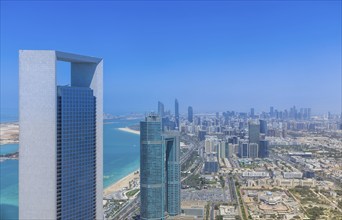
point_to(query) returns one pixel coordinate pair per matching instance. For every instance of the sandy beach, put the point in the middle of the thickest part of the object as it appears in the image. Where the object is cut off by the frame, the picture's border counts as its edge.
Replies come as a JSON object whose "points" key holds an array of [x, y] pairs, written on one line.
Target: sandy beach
{"points": [[124, 182], [9, 133], [127, 129]]}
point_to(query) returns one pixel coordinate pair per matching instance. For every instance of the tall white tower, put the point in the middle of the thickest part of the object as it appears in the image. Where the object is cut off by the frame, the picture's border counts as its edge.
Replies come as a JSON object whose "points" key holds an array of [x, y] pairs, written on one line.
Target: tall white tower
{"points": [[61, 137]]}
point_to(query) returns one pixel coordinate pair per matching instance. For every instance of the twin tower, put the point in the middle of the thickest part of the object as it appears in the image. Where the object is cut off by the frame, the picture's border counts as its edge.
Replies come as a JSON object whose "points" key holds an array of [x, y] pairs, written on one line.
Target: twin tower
{"points": [[160, 183]]}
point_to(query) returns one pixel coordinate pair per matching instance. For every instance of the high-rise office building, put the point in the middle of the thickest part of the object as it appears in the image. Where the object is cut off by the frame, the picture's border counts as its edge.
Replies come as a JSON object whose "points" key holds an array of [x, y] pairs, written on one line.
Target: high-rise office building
{"points": [[301, 114], [263, 149], [173, 182], [161, 109], [253, 132], [276, 114], [329, 115], [159, 170], [152, 169], [190, 114], [76, 148], [271, 111], [309, 114], [207, 145], [253, 149], [263, 126], [201, 135], [243, 150], [280, 115], [293, 113], [177, 113], [222, 149], [60, 162], [228, 149], [211, 144], [252, 112], [286, 114]]}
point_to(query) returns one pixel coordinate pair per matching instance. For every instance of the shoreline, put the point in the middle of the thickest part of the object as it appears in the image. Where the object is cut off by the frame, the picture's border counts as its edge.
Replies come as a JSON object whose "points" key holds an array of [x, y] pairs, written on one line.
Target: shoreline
{"points": [[129, 130], [3, 143], [9, 133], [121, 183]]}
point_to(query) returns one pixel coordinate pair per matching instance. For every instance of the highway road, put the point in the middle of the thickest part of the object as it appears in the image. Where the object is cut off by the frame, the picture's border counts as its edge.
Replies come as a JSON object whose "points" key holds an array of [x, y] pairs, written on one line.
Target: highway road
{"points": [[129, 208]]}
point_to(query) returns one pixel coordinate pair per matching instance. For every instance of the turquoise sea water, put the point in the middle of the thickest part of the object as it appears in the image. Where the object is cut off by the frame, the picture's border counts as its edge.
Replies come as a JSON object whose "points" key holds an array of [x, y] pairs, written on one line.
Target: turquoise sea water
{"points": [[9, 189], [8, 148], [121, 157], [120, 152]]}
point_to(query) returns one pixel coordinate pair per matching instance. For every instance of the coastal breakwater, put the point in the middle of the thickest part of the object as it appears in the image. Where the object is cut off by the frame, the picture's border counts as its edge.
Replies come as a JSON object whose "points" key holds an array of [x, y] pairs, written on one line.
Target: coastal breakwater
{"points": [[11, 156]]}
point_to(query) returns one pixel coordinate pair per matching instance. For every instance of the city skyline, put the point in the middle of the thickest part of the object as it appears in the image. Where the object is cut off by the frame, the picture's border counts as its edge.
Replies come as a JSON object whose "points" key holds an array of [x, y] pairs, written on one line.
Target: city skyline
{"points": [[211, 59], [207, 110]]}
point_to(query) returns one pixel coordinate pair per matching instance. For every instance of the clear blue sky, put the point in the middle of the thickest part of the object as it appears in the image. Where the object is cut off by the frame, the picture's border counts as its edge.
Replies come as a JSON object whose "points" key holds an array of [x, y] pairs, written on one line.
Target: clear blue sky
{"points": [[215, 56]]}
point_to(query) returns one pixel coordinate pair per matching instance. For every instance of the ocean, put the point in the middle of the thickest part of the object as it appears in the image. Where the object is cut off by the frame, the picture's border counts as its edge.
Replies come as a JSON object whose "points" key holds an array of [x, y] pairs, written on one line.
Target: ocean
{"points": [[120, 157]]}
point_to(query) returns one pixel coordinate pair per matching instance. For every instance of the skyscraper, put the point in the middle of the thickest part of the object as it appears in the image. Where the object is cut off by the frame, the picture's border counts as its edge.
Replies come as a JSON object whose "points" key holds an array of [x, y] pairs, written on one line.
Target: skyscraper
{"points": [[152, 169], [173, 188], [271, 111], [159, 170], [222, 149], [263, 149], [253, 149], [263, 126], [190, 114], [177, 113], [302, 114], [309, 114], [228, 149], [252, 112], [60, 164], [161, 109], [243, 150], [253, 132]]}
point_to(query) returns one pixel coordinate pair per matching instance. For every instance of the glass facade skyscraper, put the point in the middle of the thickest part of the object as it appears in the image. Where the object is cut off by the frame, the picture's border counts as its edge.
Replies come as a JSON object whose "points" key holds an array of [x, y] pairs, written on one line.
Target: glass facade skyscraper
{"points": [[263, 126], [263, 149], [243, 150], [253, 150], [152, 169], [253, 132], [177, 113], [173, 183], [190, 114], [159, 170], [228, 149], [252, 112], [76, 153], [161, 109], [271, 111]]}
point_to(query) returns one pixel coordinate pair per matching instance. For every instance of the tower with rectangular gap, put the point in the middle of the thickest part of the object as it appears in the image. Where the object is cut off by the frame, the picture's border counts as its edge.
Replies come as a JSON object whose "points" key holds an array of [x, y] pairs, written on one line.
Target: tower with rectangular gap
{"points": [[61, 132]]}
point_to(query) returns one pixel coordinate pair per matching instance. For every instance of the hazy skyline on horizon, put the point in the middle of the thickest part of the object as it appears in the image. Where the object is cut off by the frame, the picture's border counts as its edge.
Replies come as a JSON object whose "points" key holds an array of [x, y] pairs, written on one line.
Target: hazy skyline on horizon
{"points": [[214, 56]]}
